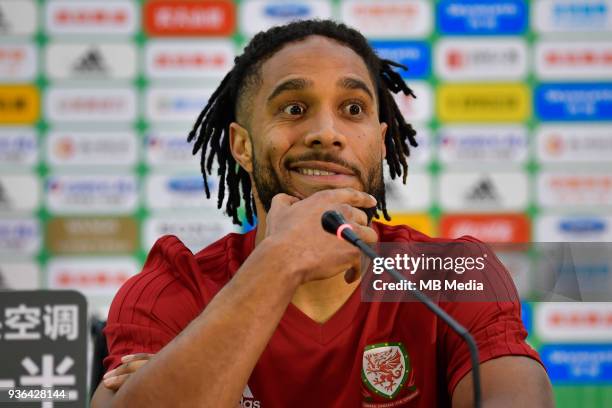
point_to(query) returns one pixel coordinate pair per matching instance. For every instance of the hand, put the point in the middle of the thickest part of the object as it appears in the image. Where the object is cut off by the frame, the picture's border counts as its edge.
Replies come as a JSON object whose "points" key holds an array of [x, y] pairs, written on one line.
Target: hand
{"points": [[114, 379], [316, 253]]}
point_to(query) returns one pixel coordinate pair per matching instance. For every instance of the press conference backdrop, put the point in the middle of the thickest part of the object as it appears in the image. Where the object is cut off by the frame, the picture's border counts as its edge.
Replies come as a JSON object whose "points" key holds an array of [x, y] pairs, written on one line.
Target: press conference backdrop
{"points": [[514, 120]]}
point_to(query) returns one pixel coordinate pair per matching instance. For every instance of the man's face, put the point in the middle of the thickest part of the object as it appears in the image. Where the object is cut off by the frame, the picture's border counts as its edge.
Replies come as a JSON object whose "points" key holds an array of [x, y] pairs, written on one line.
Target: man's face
{"points": [[314, 123]]}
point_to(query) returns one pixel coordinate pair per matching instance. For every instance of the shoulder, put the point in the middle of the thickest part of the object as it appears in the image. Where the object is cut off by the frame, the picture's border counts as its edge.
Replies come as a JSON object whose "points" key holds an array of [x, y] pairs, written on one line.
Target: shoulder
{"points": [[405, 233], [172, 272], [399, 233]]}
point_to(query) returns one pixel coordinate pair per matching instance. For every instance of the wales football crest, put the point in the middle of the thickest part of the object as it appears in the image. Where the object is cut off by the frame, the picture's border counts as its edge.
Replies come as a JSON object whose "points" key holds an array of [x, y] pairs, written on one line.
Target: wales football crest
{"points": [[385, 368]]}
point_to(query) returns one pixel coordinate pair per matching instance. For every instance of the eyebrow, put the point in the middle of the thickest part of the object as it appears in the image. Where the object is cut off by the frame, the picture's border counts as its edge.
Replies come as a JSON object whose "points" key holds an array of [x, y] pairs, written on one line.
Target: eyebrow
{"points": [[352, 83], [296, 84], [299, 84]]}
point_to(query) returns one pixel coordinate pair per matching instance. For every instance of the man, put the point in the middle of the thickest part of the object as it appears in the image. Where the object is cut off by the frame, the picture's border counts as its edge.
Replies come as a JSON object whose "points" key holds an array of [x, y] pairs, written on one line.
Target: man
{"points": [[301, 125]]}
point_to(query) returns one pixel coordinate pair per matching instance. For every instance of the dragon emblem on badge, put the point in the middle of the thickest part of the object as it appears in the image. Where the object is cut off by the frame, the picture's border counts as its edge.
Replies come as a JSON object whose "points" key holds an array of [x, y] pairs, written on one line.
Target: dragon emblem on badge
{"points": [[385, 368]]}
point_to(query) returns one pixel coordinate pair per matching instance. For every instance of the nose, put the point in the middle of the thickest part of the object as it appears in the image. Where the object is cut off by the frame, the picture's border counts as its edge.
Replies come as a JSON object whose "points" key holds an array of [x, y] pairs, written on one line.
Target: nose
{"points": [[324, 132]]}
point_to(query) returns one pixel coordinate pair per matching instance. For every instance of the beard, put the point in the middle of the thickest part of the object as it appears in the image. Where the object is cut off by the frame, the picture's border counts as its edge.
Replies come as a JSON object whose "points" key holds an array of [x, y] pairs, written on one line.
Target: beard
{"points": [[268, 183]]}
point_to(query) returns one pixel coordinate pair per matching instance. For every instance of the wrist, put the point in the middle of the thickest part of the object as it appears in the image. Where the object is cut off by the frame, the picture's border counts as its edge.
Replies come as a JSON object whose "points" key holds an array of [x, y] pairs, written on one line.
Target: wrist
{"points": [[277, 254]]}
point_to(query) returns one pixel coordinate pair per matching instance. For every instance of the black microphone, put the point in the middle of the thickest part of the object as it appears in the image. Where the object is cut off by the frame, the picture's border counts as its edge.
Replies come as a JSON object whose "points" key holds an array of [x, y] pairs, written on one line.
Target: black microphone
{"points": [[334, 223]]}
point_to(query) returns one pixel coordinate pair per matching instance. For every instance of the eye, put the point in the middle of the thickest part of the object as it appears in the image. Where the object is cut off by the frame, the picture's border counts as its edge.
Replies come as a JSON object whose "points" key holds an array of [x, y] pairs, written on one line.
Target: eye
{"points": [[353, 109], [294, 109]]}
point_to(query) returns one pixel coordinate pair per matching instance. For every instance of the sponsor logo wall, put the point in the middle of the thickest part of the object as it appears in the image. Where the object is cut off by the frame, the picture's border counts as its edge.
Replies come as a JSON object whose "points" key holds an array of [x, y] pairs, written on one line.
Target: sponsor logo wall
{"points": [[514, 121]]}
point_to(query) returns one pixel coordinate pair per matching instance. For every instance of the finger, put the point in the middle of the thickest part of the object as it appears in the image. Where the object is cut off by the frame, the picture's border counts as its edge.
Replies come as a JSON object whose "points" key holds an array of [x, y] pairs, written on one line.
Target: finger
{"points": [[353, 214], [348, 196], [367, 234], [137, 356], [283, 200], [114, 383], [125, 368]]}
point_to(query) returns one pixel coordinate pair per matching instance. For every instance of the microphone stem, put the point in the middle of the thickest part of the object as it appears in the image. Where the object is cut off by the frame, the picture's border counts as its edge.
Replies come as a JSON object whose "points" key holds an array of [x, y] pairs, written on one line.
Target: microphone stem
{"points": [[438, 311]]}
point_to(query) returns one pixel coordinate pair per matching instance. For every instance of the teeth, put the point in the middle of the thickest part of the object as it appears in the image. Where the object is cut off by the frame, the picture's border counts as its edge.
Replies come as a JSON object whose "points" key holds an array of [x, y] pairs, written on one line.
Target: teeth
{"points": [[315, 172]]}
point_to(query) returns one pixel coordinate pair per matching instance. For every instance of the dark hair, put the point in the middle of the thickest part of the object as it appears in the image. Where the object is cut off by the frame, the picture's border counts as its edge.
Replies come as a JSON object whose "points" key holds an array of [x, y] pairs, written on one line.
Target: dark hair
{"points": [[211, 129]]}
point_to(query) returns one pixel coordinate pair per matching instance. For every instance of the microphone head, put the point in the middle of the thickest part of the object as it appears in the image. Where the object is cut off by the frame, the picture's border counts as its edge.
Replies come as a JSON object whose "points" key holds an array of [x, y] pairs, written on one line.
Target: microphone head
{"points": [[331, 220]]}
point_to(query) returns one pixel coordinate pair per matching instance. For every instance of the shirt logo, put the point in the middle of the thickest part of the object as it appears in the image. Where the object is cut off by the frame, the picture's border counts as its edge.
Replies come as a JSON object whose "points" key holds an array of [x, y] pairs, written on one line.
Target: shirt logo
{"points": [[386, 368], [248, 400]]}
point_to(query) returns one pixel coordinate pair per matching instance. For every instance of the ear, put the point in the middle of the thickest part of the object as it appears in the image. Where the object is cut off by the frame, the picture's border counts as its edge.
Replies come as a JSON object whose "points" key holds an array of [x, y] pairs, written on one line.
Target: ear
{"points": [[240, 145], [383, 132]]}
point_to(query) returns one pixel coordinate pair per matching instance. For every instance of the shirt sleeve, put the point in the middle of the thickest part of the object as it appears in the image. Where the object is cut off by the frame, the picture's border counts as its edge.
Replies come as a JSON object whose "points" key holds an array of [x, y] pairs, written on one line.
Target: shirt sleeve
{"points": [[496, 327], [154, 306]]}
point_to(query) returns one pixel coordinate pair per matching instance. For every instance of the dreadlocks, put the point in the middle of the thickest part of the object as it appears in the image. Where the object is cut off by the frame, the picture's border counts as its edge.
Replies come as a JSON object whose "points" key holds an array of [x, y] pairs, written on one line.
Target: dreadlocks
{"points": [[211, 129]]}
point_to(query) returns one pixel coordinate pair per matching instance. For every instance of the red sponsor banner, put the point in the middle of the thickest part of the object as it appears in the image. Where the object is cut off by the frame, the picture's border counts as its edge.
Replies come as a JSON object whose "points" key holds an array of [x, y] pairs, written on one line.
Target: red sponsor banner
{"points": [[494, 228], [579, 58], [66, 279], [189, 18], [581, 318], [82, 17]]}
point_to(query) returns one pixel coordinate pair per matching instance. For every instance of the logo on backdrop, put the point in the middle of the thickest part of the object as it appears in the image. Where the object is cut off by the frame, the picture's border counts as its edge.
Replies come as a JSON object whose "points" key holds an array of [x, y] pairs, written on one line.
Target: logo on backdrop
{"points": [[186, 59], [259, 15], [578, 364], [577, 228], [559, 16], [473, 191], [19, 275], [482, 17], [484, 103], [574, 102], [91, 104], [189, 18], [583, 189], [573, 60], [18, 62], [494, 228], [416, 55], [175, 104], [19, 104], [18, 147], [471, 145], [91, 194], [92, 148], [97, 17], [481, 60], [99, 60], [19, 192], [20, 236], [89, 236], [18, 17], [582, 143], [388, 18]]}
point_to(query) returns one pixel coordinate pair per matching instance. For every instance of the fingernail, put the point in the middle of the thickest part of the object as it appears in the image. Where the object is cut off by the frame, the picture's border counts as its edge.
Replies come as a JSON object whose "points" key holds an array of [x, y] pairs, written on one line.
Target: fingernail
{"points": [[373, 198], [108, 374], [128, 357], [108, 381]]}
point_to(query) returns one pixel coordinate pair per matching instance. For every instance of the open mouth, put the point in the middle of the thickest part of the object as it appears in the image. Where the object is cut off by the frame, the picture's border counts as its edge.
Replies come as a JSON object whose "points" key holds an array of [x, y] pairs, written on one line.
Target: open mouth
{"points": [[315, 168], [315, 172]]}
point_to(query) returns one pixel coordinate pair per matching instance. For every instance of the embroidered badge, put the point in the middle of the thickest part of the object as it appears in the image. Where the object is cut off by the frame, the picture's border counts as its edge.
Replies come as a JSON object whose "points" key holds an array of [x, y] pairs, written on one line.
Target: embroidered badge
{"points": [[385, 368]]}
